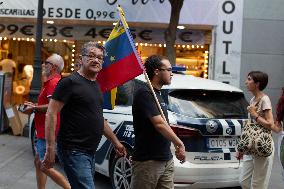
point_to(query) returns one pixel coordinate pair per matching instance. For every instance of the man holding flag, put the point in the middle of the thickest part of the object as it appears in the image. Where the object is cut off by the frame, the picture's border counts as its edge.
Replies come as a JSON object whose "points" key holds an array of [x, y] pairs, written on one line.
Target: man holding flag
{"points": [[79, 100], [153, 165]]}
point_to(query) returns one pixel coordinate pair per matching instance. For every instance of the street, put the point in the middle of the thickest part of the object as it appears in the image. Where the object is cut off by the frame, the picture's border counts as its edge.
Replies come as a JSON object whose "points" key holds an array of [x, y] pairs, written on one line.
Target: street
{"points": [[17, 169]]}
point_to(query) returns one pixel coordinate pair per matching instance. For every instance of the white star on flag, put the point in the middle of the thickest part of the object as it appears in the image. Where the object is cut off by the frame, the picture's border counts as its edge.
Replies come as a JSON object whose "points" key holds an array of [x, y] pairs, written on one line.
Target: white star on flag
{"points": [[112, 58]]}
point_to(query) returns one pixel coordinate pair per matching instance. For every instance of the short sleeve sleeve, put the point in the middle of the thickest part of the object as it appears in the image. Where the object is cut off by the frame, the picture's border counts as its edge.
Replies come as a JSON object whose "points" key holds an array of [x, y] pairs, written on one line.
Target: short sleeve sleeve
{"points": [[63, 90], [14, 64], [147, 104], [50, 88], [266, 103]]}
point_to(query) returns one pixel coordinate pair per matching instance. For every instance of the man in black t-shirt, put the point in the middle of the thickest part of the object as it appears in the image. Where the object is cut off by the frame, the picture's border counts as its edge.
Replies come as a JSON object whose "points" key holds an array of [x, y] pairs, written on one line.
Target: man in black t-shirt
{"points": [[79, 101], [153, 166]]}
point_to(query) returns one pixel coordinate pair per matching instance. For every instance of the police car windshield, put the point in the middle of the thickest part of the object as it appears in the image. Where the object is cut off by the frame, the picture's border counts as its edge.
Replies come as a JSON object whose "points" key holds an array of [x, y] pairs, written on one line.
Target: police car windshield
{"points": [[208, 104]]}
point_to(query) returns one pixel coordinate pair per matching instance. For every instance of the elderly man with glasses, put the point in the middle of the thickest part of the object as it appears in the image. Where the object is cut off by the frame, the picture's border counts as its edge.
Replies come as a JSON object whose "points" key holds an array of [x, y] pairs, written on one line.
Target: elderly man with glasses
{"points": [[79, 100], [51, 69]]}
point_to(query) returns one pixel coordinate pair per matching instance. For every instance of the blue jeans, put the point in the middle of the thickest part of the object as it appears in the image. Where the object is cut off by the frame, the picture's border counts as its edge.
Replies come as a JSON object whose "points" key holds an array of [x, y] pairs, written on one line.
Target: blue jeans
{"points": [[79, 167], [40, 148]]}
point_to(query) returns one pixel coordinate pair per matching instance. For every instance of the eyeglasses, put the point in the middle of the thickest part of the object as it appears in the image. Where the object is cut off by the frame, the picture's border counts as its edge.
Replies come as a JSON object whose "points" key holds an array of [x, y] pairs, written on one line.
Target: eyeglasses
{"points": [[47, 62], [166, 69], [90, 56]]}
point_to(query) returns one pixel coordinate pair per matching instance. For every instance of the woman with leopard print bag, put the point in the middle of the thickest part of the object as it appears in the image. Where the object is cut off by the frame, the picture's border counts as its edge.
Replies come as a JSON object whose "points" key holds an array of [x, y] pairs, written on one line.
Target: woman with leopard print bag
{"points": [[256, 170]]}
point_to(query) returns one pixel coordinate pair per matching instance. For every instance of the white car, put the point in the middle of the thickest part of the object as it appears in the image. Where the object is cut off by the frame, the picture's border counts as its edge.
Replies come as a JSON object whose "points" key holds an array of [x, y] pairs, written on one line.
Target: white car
{"points": [[207, 116]]}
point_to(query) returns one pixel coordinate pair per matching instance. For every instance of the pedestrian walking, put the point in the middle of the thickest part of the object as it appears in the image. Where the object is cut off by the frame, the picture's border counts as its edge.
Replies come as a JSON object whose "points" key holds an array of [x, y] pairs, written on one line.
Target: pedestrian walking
{"points": [[279, 123], [8, 65], [79, 101], [51, 69], [256, 170], [153, 166]]}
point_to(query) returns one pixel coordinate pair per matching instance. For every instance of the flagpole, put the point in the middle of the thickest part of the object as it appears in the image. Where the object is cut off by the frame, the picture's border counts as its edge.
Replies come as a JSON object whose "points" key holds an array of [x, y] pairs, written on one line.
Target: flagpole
{"points": [[121, 15], [125, 25], [156, 99]]}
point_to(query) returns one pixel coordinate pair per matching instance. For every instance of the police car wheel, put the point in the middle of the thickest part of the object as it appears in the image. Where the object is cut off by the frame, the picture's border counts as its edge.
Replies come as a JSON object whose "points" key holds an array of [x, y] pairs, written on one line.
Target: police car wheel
{"points": [[121, 172]]}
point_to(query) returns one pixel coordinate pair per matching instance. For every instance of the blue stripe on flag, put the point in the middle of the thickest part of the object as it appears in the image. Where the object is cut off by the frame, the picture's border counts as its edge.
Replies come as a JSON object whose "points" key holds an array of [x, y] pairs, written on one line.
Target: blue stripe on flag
{"points": [[117, 49]]}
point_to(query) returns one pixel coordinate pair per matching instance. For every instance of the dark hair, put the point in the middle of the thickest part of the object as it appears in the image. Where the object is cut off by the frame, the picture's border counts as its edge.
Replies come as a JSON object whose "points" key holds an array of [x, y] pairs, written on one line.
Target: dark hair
{"points": [[152, 63], [259, 77], [10, 56], [85, 48]]}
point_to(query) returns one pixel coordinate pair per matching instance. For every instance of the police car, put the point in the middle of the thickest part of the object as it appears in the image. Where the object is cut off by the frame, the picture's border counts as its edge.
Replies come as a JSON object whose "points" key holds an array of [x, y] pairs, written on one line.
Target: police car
{"points": [[207, 116]]}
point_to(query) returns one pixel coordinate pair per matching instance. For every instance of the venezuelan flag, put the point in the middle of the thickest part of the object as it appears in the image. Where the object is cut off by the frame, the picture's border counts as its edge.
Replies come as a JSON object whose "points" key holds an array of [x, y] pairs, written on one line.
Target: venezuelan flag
{"points": [[121, 61]]}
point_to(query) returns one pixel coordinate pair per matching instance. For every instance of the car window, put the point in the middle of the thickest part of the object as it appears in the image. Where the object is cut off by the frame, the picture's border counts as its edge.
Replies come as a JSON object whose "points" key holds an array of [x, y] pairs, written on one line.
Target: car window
{"points": [[208, 104], [125, 92]]}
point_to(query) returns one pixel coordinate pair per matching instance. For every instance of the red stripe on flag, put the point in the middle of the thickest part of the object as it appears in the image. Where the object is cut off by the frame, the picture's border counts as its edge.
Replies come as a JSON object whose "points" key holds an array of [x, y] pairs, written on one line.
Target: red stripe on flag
{"points": [[119, 72]]}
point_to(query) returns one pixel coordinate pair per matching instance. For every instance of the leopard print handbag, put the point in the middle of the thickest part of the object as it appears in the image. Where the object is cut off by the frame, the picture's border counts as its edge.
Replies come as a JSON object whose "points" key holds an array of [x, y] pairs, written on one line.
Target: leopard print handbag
{"points": [[255, 140]]}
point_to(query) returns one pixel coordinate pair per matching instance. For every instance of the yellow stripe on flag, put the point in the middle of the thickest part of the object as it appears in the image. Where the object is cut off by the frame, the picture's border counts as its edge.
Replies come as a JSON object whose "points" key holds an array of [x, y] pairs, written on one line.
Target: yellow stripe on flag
{"points": [[113, 97], [117, 30]]}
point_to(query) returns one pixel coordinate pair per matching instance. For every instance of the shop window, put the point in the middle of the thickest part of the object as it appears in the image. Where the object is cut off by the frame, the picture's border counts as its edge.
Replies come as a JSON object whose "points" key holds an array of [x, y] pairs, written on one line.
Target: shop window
{"points": [[193, 57]]}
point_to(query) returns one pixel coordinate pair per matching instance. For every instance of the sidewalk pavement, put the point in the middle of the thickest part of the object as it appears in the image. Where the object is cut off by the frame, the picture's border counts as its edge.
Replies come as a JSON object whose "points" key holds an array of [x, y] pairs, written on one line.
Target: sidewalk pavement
{"points": [[16, 164], [17, 170]]}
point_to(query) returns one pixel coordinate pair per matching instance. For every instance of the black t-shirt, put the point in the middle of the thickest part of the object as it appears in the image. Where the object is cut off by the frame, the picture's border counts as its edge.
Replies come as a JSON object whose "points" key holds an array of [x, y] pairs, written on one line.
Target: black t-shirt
{"points": [[149, 143], [81, 118]]}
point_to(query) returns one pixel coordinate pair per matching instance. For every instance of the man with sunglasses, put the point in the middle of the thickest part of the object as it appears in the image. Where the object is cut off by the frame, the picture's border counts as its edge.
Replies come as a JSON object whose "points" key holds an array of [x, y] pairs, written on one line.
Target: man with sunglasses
{"points": [[153, 166], [79, 100], [51, 69]]}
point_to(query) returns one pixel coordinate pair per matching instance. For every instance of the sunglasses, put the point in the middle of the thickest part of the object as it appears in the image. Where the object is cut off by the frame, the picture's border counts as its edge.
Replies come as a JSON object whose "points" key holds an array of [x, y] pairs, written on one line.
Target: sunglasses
{"points": [[47, 62]]}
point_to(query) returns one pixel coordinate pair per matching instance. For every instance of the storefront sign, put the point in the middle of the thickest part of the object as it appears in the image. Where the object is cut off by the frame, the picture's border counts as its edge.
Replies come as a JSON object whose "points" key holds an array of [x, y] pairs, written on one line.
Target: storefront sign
{"points": [[96, 33], [229, 41], [201, 12]]}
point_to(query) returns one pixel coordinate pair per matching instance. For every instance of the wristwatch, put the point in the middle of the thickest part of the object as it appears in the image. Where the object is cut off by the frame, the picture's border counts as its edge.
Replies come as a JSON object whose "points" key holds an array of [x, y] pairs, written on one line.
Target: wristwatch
{"points": [[35, 110]]}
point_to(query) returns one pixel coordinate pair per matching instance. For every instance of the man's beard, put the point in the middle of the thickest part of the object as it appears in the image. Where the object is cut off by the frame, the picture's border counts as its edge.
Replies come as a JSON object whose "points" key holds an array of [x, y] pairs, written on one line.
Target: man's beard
{"points": [[46, 72]]}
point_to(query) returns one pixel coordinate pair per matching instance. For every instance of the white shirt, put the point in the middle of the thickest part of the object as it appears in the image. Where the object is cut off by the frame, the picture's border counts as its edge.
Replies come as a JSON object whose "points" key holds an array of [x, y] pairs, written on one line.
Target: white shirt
{"points": [[7, 65]]}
